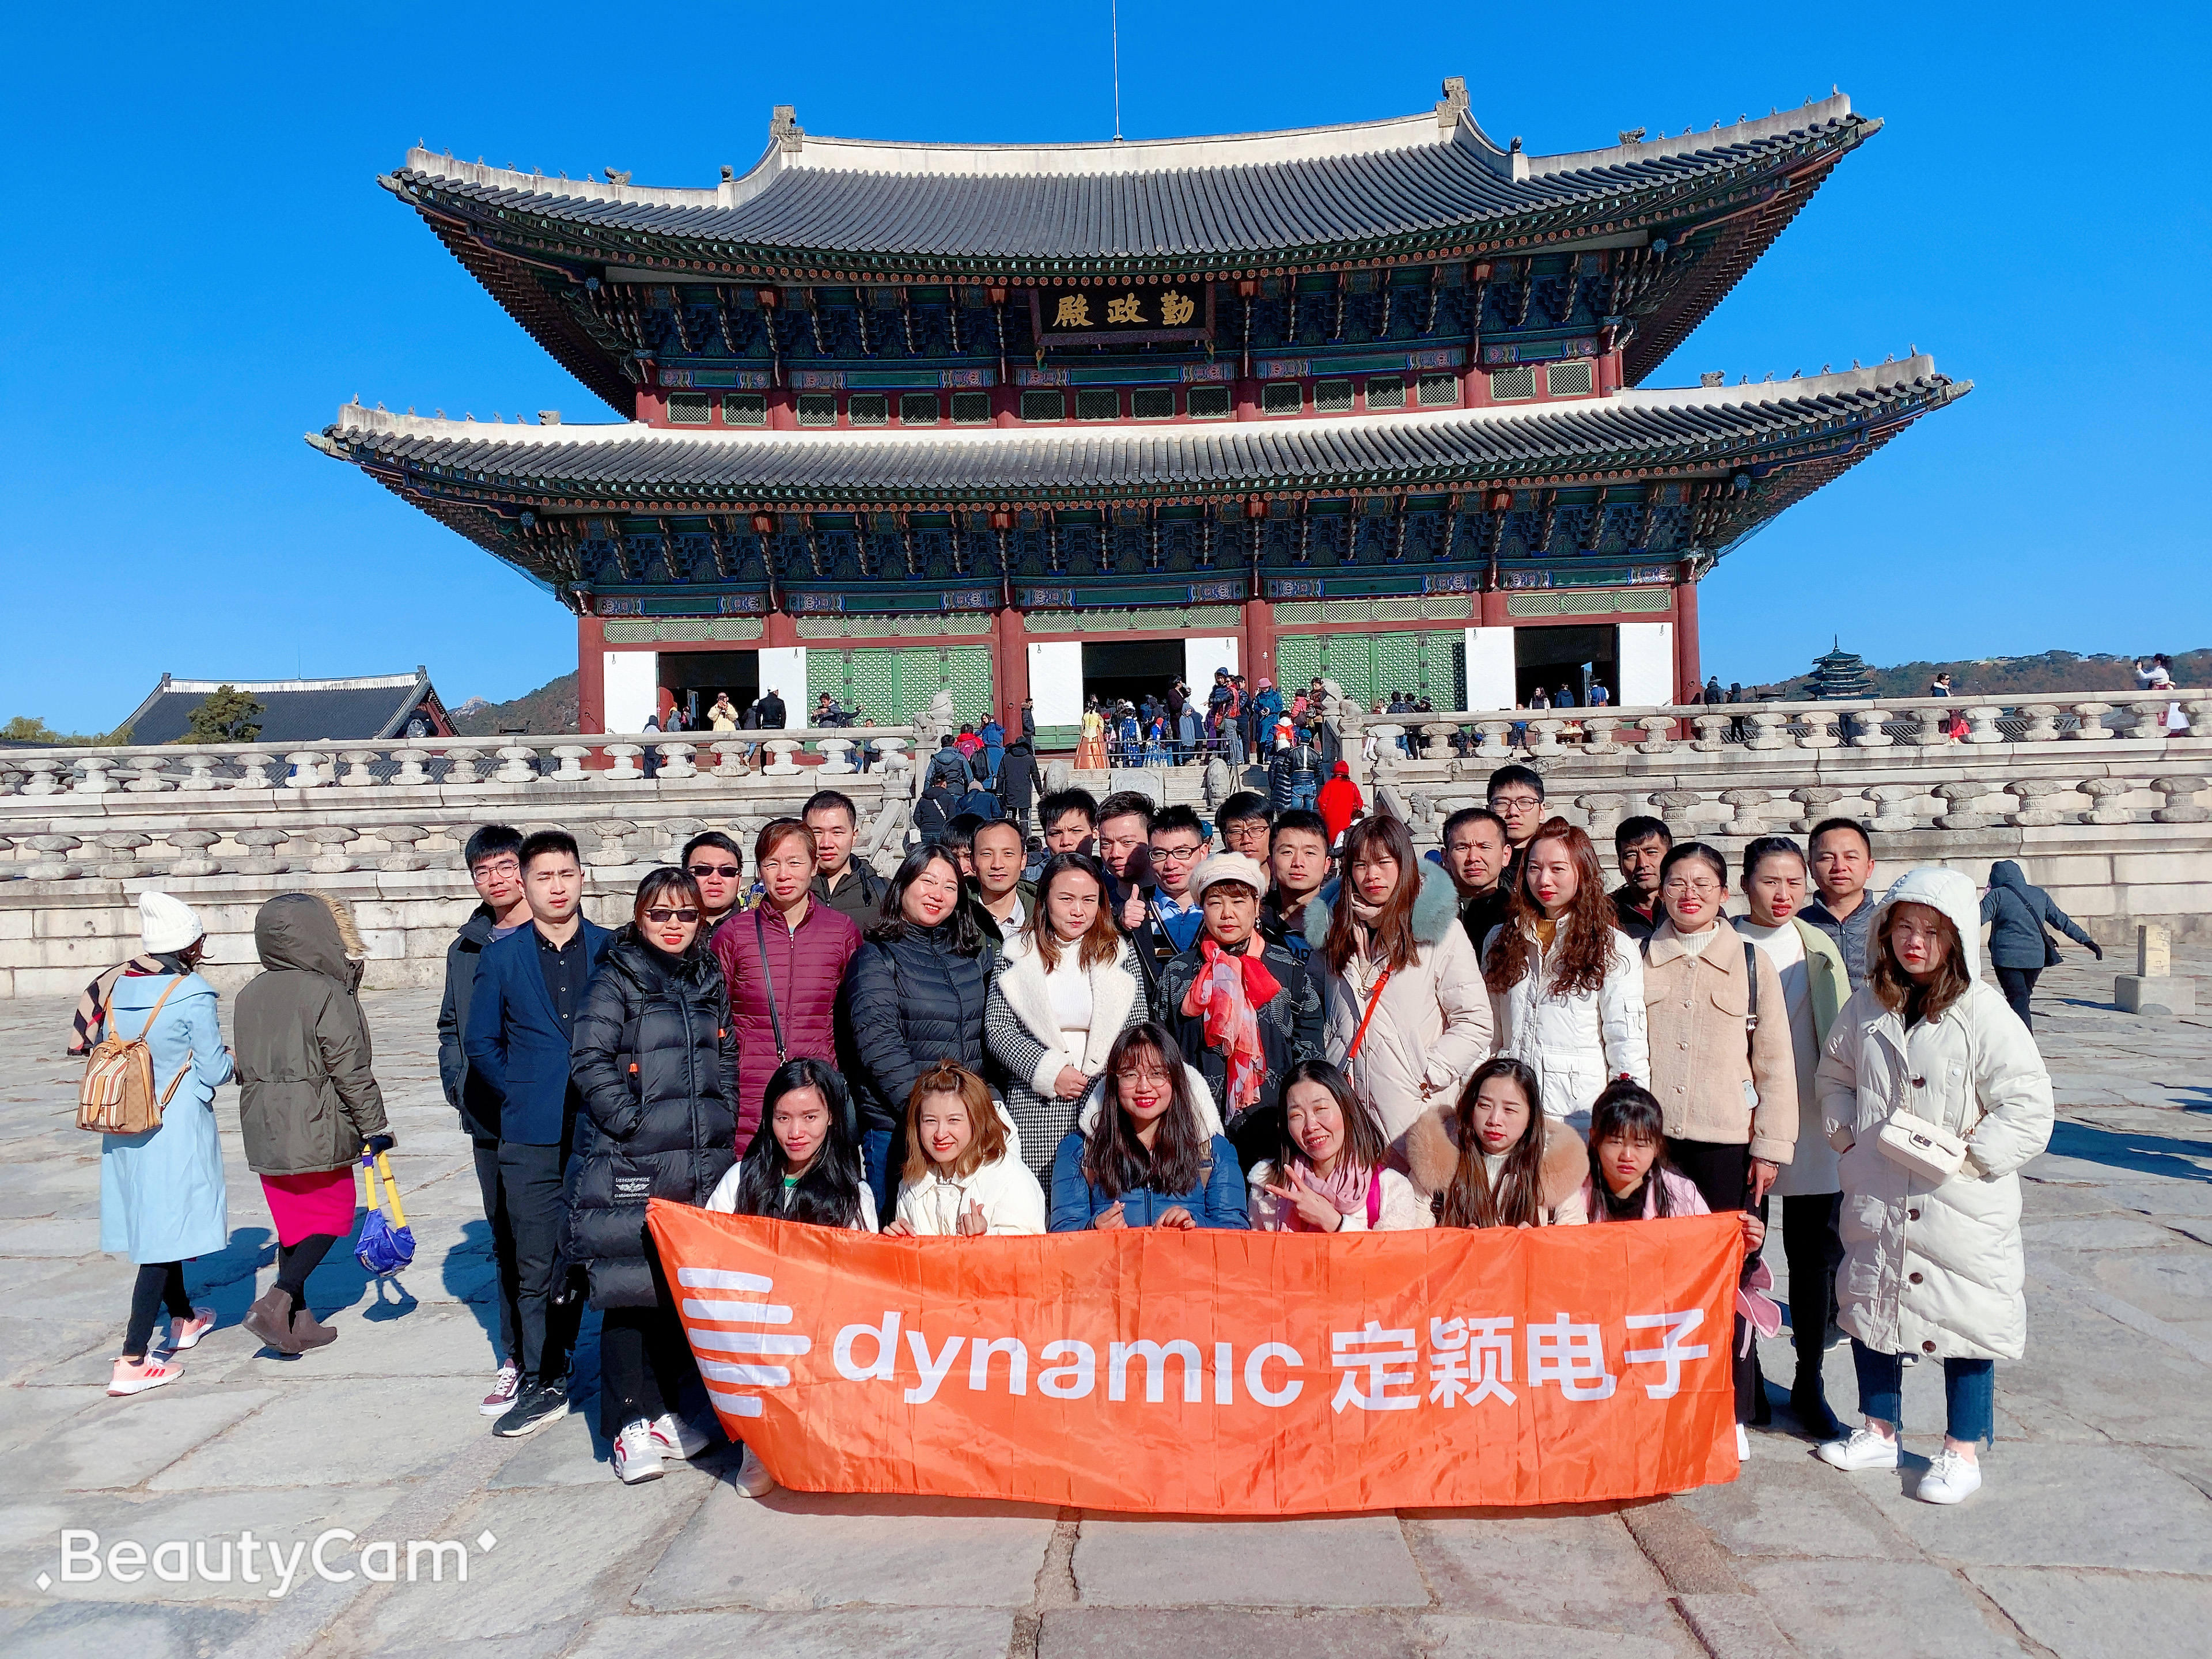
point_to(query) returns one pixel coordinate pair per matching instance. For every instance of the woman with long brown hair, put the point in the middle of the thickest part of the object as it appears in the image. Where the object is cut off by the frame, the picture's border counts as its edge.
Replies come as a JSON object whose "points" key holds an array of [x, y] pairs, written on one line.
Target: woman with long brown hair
{"points": [[1492, 1159], [1148, 1150], [1409, 1016], [1069, 986], [1924, 1059], [1566, 985]]}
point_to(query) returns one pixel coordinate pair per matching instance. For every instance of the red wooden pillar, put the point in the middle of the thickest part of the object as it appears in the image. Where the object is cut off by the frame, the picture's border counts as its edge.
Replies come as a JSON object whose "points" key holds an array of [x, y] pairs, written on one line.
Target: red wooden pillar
{"points": [[1494, 613], [783, 410], [590, 672], [1688, 677], [1248, 400], [779, 629], [1258, 653], [1010, 667]]}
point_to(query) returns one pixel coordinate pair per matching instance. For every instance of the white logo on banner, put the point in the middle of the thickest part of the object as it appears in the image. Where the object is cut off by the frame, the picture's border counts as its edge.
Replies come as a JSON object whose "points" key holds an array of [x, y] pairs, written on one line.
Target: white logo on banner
{"points": [[759, 1353]]}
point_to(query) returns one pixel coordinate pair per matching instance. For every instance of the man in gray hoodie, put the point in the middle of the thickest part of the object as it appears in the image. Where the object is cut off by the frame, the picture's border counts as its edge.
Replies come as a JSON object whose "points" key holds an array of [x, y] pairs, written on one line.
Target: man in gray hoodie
{"points": [[2019, 949]]}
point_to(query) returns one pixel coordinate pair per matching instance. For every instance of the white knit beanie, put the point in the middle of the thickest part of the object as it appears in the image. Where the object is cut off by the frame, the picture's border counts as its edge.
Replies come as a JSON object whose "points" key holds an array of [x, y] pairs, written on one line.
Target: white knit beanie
{"points": [[167, 923]]}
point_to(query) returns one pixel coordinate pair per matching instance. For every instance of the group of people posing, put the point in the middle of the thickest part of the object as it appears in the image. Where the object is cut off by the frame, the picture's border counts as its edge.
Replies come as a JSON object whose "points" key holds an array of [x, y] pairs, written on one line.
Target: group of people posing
{"points": [[1280, 1026]]}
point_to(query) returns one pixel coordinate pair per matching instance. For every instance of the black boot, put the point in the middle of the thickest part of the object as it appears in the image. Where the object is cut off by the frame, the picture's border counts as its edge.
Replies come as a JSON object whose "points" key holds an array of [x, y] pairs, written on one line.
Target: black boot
{"points": [[1810, 1407]]}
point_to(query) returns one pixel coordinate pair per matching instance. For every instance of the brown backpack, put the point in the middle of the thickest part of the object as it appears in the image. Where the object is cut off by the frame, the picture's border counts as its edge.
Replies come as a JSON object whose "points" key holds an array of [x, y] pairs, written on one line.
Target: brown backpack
{"points": [[117, 1096]]}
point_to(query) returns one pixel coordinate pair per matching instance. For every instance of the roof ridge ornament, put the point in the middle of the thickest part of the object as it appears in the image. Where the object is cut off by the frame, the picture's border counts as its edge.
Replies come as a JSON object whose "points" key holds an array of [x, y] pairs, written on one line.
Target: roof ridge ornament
{"points": [[784, 130], [1454, 106]]}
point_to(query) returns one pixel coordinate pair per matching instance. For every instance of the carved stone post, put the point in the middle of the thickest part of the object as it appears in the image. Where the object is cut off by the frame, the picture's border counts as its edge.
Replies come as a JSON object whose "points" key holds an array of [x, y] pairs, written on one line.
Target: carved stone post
{"points": [[518, 763], [1816, 800], [677, 762], [1708, 740], [54, 863], [95, 780], [1605, 808], [1893, 803], [1675, 805], [1598, 727], [1750, 821], [610, 853], [2181, 805], [624, 768], [333, 839], [261, 843], [1867, 728], [2089, 722], [360, 768], [2146, 719], [253, 769], [1982, 723], [401, 838], [2111, 795], [307, 771], [1766, 731], [193, 844], [571, 756], [2027, 791], [412, 774], [1960, 800], [1657, 734], [121, 846], [1820, 730], [461, 768], [2042, 722]]}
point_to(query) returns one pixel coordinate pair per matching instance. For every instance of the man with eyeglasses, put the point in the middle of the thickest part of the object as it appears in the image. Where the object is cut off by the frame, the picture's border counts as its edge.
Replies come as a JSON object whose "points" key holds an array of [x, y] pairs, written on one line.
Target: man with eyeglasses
{"points": [[716, 863], [1175, 844], [530, 986], [1516, 796], [493, 856]]}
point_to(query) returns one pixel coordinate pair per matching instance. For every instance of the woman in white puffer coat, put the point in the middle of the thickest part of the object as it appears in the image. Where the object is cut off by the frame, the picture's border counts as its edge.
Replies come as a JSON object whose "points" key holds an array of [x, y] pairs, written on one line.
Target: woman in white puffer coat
{"points": [[1390, 940], [1931, 1268], [1566, 986]]}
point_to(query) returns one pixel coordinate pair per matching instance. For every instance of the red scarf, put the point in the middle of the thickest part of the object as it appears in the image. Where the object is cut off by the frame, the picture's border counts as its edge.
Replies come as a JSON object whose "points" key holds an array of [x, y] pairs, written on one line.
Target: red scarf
{"points": [[1227, 994]]}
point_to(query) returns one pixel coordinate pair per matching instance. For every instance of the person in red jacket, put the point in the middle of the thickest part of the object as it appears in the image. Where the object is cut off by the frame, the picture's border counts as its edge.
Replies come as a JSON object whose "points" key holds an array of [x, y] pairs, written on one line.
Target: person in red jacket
{"points": [[783, 961], [1338, 801]]}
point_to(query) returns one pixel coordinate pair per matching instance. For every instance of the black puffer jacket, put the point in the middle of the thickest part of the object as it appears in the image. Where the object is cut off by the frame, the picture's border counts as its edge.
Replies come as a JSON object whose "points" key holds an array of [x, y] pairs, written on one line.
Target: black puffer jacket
{"points": [[907, 1003], [655, 1062]]}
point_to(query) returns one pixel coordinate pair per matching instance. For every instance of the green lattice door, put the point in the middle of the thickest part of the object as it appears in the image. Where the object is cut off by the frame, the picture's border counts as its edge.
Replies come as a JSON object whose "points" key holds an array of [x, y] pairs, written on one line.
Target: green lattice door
{"points": [[893, 686], [1370, 667]]}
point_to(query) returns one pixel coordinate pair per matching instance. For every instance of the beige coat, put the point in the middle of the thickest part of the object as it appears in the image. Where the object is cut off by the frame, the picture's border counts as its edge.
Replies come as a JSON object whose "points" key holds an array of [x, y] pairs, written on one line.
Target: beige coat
{"points": [[1714, 1083], [1935, 1269], [1431, 1027], [1432, 1158]]}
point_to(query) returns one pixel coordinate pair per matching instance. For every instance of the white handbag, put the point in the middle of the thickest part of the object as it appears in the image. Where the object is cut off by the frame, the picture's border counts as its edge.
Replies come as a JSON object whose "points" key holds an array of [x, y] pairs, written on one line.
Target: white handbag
{"points": [[1926, 1150]]}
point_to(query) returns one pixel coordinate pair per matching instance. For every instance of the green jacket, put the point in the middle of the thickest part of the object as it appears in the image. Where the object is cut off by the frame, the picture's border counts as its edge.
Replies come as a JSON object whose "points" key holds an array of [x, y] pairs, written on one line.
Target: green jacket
{"points": [[307, 1097], [1825, 972]]}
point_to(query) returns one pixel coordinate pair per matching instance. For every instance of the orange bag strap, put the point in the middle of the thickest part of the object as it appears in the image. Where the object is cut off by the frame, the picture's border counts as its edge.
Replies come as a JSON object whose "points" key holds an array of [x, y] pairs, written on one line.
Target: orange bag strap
{"points": [[153, 1014], [1374, 997]]}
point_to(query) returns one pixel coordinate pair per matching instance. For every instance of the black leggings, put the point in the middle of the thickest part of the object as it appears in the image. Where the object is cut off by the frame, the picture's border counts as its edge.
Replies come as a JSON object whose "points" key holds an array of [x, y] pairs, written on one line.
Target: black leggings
{"points": [[1722, 1175], [296, 1261], [1813, 1249], [645, 1365], [158, 1282], [2018, 984]]}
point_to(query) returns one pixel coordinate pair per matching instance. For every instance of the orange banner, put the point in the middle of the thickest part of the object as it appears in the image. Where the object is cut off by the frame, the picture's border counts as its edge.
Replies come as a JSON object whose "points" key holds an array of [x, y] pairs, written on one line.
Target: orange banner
{"points": [[1220, 1373]]}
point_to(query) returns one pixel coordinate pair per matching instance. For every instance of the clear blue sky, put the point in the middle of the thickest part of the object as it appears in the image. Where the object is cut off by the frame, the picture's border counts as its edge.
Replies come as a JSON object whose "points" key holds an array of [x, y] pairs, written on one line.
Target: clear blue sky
{"points": [[204, 268]]}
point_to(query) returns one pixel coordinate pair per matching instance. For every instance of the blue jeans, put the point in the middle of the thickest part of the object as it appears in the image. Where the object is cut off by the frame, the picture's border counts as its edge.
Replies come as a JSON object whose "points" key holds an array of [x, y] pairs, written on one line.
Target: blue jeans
{"points": [[1969, 1392], [876, 1150], [1303, 796]]}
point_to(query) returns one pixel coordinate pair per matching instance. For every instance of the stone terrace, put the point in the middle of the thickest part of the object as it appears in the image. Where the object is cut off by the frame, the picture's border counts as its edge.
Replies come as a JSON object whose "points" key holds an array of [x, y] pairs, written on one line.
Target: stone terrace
{"points": [[2094, 1536]]}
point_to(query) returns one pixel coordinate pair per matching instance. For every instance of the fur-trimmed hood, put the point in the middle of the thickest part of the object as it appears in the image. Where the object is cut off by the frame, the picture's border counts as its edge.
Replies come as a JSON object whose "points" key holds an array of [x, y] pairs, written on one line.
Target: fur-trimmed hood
{"points": [[1436, 907], [1432, 1155]]}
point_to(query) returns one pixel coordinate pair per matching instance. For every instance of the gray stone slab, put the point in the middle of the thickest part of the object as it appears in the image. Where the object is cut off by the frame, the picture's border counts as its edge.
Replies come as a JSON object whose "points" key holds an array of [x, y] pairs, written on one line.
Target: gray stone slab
{"points": [[793, 1552], [349, 1432], [1449, 1636], [121, 1443], [2091, 1615], [561, 1555], [1352, 1561], [2123, 1384], [2118, 1508], [1536, 1567], [2173, 1282], [908, 1633], [568, 1453], [545, 1642], [2098, 1232], [1731, 1626], [1144, 1634], [71, 1630], [1794, 1506], [1876, 1610]]}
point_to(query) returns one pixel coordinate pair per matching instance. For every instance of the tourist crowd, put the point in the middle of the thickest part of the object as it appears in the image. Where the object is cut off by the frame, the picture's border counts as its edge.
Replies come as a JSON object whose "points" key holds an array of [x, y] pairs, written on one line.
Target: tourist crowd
{"points": [[1285, 1019]]}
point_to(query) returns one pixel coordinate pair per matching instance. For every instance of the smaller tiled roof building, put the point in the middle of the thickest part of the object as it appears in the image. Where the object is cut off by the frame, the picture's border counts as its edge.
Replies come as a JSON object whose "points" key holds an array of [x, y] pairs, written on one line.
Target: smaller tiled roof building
{"points": [[376, 706]]}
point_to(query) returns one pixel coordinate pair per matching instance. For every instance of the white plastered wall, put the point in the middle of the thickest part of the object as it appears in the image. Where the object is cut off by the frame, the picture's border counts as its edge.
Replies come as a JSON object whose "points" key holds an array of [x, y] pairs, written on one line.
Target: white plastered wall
{"points": [[1056, 681], [629, 687], [1490, 677], [1646, 655]]}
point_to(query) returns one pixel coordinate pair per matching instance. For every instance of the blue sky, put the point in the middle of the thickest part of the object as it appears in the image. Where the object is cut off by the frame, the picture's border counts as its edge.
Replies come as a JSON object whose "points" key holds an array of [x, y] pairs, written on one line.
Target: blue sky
{"points": [[204, 268]]}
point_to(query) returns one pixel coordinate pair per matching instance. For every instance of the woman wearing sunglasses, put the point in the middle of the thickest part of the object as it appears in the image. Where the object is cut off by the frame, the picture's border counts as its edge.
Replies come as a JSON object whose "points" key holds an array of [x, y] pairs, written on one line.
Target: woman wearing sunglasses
{"points": [[783, 959], [654, 1060]]}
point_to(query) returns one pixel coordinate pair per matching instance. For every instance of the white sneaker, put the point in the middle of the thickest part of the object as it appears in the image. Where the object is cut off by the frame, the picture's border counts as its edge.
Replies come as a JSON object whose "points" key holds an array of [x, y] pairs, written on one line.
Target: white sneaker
{"points": [[1867, 1449], [1951, 1479], [636, 1455], [753, 1478], [679, 1438], [1743, 1444]]}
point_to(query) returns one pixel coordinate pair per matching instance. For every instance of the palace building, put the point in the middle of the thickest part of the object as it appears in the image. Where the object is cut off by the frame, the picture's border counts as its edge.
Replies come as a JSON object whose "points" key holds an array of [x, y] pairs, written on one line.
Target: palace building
{"points": [[1363, 401]]}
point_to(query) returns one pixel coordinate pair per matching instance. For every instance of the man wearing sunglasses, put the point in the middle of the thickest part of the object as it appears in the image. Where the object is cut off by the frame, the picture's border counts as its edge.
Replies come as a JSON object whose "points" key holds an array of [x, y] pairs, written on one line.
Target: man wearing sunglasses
{"points": [[716, 863]]}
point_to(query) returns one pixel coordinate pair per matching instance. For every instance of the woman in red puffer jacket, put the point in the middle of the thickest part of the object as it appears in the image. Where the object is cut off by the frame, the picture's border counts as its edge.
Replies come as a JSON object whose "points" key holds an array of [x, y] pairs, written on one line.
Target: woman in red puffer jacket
{"points": [[783, 960]]}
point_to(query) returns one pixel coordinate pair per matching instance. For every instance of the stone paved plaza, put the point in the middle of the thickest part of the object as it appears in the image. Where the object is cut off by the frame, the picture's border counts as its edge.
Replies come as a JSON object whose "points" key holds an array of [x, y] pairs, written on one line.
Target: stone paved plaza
{"points": [[2094, 1536]]}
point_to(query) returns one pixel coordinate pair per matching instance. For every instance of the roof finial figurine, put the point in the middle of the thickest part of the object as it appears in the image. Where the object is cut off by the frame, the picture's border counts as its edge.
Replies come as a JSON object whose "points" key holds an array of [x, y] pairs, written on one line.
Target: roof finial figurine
{"points": [[617, 176]]}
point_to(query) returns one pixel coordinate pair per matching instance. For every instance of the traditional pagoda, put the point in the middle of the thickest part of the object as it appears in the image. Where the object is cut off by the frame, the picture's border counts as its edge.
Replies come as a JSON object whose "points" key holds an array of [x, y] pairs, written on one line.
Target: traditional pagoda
{"points": [[1839, 676], [1363, 401]]}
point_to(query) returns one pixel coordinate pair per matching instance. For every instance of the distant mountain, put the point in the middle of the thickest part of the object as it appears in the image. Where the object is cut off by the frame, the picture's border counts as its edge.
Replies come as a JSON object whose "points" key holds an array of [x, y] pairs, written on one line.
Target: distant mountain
{"points": [[2053, 672], [549, 711]]}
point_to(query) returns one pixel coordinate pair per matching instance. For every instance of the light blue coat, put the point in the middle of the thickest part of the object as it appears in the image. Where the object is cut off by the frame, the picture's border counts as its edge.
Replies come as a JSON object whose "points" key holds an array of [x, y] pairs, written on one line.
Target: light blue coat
{"points": [[161, 1195]]}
